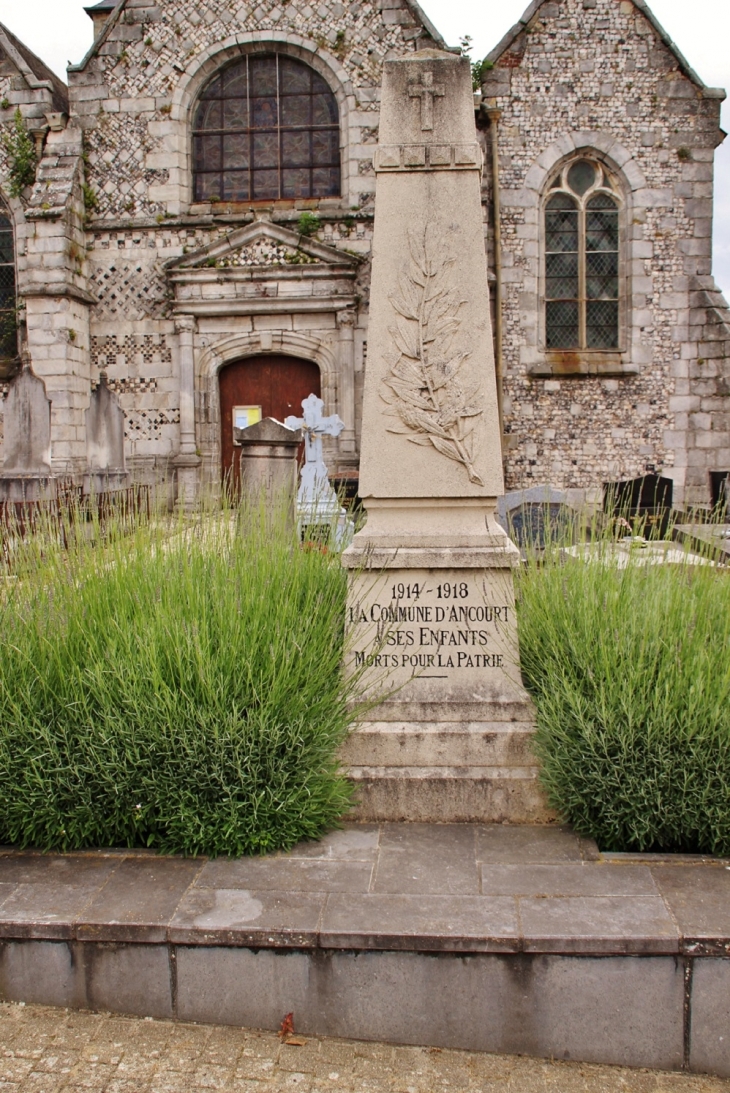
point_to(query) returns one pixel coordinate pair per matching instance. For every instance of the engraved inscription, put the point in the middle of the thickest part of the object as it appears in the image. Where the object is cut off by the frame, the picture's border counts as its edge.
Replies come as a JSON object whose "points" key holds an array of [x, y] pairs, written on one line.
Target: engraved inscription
{"points": [[433, 625], [424, 388]]}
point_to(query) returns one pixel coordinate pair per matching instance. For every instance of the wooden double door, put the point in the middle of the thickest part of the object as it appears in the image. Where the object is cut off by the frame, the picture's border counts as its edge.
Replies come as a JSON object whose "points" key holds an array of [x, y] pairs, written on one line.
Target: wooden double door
{"points": [[275, 382]]}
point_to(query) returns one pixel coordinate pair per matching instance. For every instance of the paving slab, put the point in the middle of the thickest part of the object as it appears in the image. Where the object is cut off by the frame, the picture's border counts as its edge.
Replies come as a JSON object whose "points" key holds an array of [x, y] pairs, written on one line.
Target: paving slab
{"points": [[138, 900], [527, 844], [566, 879], [699, 901], [443, 923], [427, 859], [637, 924], [282, 874], [225, 916]]}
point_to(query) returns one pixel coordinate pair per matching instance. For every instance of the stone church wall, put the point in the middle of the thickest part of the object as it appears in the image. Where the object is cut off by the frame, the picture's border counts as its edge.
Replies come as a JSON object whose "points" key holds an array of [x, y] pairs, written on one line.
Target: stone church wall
{"points": [[134, 98], [111, 213], [596, 75]]}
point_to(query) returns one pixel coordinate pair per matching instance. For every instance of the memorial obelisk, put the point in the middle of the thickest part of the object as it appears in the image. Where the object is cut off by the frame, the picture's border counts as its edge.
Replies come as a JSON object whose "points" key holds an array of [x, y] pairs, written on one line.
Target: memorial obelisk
{"points": [[431, 618]]}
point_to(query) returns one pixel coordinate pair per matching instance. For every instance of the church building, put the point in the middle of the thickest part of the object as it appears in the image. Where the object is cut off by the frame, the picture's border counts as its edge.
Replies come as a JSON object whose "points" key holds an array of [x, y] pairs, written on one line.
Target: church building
{"points": [[186, 227]]}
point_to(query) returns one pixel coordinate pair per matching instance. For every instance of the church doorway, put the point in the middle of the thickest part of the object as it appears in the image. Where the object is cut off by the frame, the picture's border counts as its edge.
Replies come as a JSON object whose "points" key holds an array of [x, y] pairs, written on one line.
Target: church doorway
{"points": [[275, 383]]}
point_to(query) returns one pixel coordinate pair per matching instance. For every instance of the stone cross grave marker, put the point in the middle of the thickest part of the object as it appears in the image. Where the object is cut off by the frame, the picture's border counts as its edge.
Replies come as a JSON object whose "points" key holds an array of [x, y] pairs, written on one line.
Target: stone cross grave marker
{"points": [[317, 502]]}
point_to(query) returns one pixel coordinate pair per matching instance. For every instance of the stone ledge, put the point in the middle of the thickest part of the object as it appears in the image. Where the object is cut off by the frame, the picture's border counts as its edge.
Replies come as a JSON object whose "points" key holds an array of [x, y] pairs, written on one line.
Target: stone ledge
{"points": [[486, 937]]}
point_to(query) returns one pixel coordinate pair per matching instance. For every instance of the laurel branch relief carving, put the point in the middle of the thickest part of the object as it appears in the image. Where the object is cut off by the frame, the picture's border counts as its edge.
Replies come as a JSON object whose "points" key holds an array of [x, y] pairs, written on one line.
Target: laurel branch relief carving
{"points": [[423, 388]]}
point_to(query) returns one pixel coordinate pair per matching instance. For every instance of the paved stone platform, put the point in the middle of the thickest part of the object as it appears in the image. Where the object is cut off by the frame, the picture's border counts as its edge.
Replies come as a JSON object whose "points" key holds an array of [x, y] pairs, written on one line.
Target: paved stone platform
{"points": [[491, 938], [55, 1051]]}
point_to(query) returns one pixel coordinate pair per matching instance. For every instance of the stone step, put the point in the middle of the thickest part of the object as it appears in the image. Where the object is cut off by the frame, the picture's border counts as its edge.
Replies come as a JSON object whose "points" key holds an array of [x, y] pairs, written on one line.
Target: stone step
{"points": [[435, 744], [449, 794]]}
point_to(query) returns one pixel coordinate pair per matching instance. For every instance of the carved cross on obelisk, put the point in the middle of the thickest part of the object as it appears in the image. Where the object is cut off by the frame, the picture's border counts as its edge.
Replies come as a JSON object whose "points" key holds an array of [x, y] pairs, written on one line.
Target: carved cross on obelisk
{"points": [[426, 92]]}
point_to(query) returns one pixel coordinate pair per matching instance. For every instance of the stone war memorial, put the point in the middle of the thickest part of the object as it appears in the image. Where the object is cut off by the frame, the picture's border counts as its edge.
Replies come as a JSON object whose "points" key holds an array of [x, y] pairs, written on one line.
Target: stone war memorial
{"points": [[362, 410], [431, 612]]}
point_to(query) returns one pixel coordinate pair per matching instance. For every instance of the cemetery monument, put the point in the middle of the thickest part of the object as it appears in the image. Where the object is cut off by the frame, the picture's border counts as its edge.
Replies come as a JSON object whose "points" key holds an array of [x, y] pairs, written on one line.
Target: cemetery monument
{"points": [[431, 606]]}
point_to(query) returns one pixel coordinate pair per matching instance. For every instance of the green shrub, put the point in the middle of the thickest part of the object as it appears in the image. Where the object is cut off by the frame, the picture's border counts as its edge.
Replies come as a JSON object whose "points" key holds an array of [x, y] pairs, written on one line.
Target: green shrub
{"points": [[630, 671], [21, 152], [308, 224], [181, 691]]}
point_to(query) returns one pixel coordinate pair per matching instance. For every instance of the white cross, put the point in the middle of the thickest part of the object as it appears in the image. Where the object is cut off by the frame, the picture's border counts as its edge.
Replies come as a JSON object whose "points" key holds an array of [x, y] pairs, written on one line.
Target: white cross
{"points": [[426, 92], [315, 488]]}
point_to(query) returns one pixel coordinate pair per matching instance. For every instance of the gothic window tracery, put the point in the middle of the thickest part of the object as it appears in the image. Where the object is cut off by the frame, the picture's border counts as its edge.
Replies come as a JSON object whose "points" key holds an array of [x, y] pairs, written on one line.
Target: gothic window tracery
{"points": [[582, 252], [8, 301], [266, 128]]}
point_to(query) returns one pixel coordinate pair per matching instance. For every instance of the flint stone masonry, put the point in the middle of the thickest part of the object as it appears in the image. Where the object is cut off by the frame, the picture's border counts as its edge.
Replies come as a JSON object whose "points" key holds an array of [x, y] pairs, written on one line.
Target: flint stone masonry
{"points": [[111, 208], [604, 78]]}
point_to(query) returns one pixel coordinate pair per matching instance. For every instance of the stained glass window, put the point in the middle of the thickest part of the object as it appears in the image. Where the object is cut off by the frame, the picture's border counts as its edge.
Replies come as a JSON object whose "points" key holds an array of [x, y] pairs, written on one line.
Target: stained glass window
{"points": [[582, 259], [266, 127], [8, 302]]}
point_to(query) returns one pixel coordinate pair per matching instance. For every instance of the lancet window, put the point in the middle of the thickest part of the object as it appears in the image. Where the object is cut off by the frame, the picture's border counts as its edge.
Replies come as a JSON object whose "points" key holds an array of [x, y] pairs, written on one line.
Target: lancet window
{"points": [[266, 127], [8, 301], [582, 258]]}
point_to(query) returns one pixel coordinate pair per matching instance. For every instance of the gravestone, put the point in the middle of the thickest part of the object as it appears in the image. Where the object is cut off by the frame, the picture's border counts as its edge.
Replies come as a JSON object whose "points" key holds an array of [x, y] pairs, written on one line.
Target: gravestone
{"points": [[26, 473], [646, 500], [536, 515], [268, 467], [319, 513], [104, 442], [430, 615]]}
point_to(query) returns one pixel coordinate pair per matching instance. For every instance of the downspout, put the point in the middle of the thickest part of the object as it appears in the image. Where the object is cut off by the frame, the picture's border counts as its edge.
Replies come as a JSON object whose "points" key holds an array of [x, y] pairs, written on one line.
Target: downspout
{"points": [[494, 115]]}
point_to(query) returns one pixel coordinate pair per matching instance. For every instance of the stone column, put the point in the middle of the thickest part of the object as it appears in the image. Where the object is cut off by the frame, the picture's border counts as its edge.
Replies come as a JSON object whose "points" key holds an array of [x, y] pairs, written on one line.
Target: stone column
{"points": [[346, 323], [187, 462]]}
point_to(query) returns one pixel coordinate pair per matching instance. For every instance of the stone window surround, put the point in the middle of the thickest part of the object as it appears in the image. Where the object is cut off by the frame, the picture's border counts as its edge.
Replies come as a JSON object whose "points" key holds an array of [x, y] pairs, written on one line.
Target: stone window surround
{"points": [[13, 209], [185, 98], [602, 356], [531, 198], [6, 214]]}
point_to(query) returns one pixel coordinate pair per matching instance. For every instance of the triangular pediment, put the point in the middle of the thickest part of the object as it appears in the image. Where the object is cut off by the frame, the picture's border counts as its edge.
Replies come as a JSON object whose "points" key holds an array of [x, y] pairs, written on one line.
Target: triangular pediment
{"points": [[265, 246]]}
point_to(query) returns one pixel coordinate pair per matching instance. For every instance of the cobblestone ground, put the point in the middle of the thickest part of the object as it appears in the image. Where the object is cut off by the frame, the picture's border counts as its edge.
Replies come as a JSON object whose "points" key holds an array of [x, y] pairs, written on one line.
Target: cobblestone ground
{"points": [[44, 1050]]}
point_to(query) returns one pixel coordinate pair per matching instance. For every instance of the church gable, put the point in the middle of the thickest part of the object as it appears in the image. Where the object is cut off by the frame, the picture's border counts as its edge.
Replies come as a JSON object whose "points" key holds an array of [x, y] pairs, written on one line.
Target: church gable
{"points": [[27, 84], [149, 64], [510, 50], [567, 67], [43, 86]]}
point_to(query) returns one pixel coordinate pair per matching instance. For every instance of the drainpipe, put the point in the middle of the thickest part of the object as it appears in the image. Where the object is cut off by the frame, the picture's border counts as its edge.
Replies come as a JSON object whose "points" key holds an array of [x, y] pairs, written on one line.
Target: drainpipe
{"points": [[494, 115]]}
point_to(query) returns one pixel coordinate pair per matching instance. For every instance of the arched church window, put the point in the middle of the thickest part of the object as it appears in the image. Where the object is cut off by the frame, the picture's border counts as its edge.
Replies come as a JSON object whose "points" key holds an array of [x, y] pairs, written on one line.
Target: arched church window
{"points": [[8, 301], [582, 258], [266, 127]]}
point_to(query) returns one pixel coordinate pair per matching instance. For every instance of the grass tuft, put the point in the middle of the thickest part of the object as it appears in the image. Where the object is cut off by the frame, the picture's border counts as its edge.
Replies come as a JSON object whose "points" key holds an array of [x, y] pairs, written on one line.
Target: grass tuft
{"points": [[630, 671], [173, 686]]}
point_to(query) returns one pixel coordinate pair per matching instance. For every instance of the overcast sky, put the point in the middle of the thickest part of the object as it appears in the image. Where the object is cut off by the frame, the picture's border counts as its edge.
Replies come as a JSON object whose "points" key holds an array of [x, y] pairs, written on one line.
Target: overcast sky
{"points": [[59, 31]]}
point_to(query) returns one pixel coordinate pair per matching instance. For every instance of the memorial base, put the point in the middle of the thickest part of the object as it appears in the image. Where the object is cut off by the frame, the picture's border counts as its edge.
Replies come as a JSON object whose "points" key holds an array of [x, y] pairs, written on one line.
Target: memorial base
{"points": [[432, 635]]}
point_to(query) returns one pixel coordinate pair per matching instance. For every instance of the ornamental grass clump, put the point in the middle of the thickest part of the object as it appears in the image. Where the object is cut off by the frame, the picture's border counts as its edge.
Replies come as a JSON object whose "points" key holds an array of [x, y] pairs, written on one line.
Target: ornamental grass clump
{"points": [[173, 686], [630, 671]]}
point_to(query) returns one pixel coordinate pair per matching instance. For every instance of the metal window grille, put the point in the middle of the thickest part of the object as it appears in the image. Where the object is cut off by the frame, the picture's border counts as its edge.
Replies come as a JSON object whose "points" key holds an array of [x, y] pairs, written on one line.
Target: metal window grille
{"points": [[582, 259], [8, 301], [266, 127]]}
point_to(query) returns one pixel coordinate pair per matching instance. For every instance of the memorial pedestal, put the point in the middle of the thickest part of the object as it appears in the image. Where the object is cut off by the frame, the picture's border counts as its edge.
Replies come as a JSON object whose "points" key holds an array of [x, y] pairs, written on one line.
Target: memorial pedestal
{"points": [[432, 632]]}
